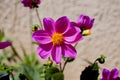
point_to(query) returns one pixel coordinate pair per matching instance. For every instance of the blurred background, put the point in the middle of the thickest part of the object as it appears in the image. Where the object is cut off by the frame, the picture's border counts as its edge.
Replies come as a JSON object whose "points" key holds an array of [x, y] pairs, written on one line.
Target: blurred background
{"points": [[17, 20]]}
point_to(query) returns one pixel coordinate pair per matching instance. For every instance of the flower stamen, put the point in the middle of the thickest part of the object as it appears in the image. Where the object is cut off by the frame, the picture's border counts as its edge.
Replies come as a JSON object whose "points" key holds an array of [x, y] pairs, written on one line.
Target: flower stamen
{"points": [[57, 38]]}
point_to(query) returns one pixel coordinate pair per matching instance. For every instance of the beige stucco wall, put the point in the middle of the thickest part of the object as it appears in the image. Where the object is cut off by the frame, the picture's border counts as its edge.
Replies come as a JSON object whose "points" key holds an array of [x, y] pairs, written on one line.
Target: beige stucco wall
{"points": [[105, 38]]}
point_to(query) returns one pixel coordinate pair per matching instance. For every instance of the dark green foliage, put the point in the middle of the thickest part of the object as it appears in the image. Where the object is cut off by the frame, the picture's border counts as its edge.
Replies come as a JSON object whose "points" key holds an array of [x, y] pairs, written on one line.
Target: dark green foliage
{"points": [[30, 69], [90, 73], [5, 71], [49, 72], [58, 76], [22, 77], [30, 73], [53, 73], [68, 59]]}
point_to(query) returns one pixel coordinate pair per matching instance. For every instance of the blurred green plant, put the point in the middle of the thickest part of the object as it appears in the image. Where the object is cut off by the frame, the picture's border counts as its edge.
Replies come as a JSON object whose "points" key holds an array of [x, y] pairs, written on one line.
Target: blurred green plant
{"points": [[28, 67]]}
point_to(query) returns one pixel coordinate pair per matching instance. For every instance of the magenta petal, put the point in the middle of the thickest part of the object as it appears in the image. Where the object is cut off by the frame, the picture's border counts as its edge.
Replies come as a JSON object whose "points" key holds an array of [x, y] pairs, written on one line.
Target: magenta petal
{"points": [[62, 24], [114, 73], [69, 51], [106, 74], [85, 22], [38, 1], [103, 79], [29, 3], [44, 50], [57, 54], [4, 44], [91, 23], [48, 25], [41, 36], [72, 35]]}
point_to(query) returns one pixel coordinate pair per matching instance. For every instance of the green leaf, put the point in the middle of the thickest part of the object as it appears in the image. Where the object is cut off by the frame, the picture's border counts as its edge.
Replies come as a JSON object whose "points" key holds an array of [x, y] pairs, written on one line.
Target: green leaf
{"points": [[68, 59], [31, 73], [58, 76], [49, 72], [90, 73]]}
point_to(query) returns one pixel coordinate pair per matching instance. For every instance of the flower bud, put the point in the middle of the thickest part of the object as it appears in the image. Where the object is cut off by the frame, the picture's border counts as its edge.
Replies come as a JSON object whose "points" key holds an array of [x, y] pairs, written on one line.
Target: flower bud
{"points": [[35, 27], [49, 62], [101, 59], [86, 32], [31, 3]]}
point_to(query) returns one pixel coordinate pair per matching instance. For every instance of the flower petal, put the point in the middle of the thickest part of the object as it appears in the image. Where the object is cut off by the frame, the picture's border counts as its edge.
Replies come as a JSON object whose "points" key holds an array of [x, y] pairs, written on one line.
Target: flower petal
{"points": [[105, 74], [44, 50], [85, 22], [62, 24], [49, 25], [91, 23], [69, 51], [73, 35], [57, 54], [4, 44], [114, 74], [41, 36]]}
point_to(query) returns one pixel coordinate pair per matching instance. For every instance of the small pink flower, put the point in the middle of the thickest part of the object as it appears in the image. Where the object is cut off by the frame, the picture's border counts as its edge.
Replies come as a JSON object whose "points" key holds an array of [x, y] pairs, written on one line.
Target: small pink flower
{"points": [[31, 3], [110, 75], [85, 22], [4, 44], [56, 39]]}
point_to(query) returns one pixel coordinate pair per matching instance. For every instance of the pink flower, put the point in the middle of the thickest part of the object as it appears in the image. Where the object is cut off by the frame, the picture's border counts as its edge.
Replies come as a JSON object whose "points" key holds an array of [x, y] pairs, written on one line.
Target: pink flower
{"points": [[56, 39], [31, 3], [110, 75], [85, 23], [4, 44]]}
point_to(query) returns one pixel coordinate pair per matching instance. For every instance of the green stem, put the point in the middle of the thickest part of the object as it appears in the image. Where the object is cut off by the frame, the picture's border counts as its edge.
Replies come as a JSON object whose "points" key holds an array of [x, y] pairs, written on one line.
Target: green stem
{"points": [[64, 65], [67, 59], [15, 52], [38, 18], [75, 45], [60, 67]]}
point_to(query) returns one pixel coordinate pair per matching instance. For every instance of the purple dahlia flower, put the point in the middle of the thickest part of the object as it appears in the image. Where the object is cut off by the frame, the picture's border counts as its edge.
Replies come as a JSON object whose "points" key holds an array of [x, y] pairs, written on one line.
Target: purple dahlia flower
{"points": [[85, 22], [56, 39], [110, 75], [4, 44], [31, 3]]}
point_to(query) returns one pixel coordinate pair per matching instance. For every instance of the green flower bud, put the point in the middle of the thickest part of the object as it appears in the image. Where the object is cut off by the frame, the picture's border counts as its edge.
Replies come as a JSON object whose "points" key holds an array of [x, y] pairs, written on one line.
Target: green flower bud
{"points": [[49, 62], [101, 59], [35, 27]]}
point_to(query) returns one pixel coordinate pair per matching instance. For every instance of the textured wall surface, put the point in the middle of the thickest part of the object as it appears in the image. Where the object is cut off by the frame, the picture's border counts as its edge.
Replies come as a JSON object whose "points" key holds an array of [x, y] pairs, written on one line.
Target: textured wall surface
{"points": [[105, 38]]}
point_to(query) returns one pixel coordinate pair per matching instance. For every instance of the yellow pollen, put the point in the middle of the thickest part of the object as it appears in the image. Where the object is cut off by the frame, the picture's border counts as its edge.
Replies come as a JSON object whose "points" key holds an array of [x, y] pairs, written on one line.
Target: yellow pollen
{"points": [[57, 38], [86, 32]]}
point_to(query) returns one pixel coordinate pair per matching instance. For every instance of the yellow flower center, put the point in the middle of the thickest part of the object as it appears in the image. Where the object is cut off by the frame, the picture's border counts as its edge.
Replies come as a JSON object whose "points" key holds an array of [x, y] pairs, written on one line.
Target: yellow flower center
{"points": [[86, 32], [57, 38]]}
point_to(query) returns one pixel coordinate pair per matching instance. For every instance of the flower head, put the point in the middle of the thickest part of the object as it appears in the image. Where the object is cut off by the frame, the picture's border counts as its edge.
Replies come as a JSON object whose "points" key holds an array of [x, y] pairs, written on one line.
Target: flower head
{"points": [[110, 75], [4, 44], [31, 3], [85, 23], [56, 39]]}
